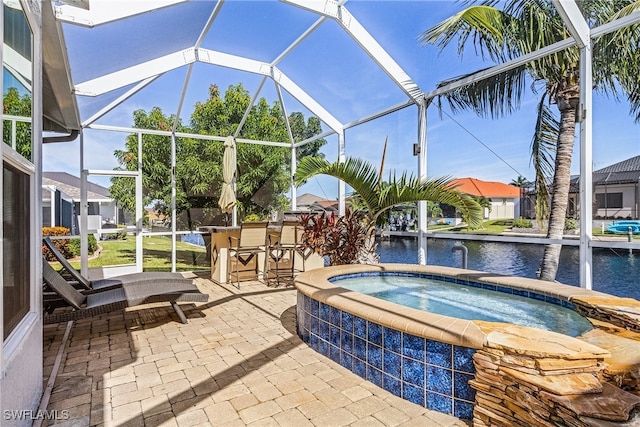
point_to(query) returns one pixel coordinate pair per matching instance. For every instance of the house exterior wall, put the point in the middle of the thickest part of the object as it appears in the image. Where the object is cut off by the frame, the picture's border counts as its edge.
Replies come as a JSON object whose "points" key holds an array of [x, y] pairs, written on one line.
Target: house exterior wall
{"points": [[21, 381], [630, 201], [59, 211], [502, 208], [21, 351]]}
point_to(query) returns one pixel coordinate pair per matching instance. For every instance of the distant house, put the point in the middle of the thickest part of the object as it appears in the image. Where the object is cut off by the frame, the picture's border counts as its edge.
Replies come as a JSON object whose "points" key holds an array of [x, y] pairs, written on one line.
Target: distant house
{"points": [[616, 191], [505, 198], [61, 203], [312, 203]]}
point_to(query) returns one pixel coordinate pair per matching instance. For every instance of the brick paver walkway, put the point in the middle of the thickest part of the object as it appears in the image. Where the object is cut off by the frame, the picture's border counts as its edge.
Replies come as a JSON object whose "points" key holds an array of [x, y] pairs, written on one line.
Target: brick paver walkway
{"points": [[238, 362]]}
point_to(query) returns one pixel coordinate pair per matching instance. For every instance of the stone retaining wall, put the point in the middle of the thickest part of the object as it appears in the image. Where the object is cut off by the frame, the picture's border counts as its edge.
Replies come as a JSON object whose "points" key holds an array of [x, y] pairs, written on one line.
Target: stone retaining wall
{"points": [[617, 322], [531, 377]]}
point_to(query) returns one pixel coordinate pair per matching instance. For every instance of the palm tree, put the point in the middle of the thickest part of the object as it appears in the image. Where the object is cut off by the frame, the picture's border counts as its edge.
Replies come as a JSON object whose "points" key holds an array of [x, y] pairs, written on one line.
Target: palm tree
{"points": [[374, 197], [524, 184], [520, 182], [524, 26]]}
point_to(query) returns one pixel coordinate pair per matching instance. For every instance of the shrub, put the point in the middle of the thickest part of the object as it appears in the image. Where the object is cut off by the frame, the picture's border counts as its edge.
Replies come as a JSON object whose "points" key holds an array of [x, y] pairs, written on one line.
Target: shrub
{"points": [[252, 217], [60, 244], [522, 223], [74, 245], [570, 224], [342, 239], [120, 235], [69, 248]]}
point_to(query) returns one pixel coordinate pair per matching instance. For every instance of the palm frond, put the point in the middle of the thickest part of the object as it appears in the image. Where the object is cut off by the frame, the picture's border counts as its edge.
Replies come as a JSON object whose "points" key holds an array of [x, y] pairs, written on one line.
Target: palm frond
{"points": [[384, 155], [484, 25], [357, 173], [376, 198], [633, 91], [543, 148], [409, 188], [493, 97], [627, 36], [616, 57]]}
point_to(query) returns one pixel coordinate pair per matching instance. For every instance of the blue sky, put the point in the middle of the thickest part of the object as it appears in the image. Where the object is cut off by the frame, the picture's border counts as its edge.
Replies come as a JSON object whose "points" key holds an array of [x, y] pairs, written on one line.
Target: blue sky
{"points": [[331, 68]]}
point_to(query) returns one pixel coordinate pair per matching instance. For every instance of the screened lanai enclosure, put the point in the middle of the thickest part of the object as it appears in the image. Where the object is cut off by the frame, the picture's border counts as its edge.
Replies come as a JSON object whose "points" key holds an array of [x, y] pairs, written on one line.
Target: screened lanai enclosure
{"points": [[140, 98]]}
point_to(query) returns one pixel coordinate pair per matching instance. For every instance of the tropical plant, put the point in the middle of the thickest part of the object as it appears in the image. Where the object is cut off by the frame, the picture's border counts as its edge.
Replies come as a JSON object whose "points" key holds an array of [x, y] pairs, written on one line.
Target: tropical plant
{"points": [[522, 27], [522, 223], [521, 182], [570, 224], [484, 202], [434, 209], [375, 197], [343, 239]]}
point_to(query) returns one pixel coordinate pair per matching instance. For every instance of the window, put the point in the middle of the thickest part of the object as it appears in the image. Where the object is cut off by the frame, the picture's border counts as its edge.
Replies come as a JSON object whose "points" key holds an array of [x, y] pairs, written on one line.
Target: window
{"points": [[609, 200], [18, 167], [15, 246], [17, 80]]}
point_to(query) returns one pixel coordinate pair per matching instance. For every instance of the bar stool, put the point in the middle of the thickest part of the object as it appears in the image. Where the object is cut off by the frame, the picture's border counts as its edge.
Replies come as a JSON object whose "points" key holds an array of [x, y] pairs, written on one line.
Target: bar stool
{"points": [[247, 249], [282, 247]]}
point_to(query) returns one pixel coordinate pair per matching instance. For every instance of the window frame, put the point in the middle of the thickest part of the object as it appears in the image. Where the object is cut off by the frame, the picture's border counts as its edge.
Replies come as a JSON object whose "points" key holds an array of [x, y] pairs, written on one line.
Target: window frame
{"points": [[11, 346], [19, 163], [14, 159]]}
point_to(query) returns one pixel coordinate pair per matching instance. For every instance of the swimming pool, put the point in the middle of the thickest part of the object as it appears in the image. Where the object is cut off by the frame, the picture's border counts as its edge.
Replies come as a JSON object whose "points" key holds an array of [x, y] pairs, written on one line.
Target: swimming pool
{"points": [[624, 227], [468, 301]]}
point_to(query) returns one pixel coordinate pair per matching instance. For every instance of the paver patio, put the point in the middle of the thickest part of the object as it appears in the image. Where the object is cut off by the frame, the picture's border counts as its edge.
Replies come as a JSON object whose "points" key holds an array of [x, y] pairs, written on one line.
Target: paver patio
{"points": [[237, 362]]}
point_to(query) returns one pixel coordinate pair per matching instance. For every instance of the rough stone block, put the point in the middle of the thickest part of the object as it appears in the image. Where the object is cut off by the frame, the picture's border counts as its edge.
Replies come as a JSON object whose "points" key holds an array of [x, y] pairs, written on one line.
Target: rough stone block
{"points": [[613, 404], [560, 384]]}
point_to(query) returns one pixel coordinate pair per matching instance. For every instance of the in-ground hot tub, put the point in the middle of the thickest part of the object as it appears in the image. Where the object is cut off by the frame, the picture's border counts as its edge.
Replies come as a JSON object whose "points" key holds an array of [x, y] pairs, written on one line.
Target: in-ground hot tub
{"points": [[428, 358]]}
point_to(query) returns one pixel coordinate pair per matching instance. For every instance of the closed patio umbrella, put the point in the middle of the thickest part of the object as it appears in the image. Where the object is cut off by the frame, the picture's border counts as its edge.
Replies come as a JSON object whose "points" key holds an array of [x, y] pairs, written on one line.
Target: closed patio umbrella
{"points": [[227, 195]]}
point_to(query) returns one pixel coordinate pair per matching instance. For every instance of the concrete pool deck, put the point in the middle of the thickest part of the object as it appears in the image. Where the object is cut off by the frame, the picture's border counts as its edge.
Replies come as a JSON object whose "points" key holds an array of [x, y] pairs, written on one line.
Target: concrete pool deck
{"points": [[237, 362]]}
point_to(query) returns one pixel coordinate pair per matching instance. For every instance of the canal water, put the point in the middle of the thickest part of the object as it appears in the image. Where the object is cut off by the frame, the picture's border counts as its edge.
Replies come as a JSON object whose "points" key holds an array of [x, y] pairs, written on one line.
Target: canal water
{"points": [[615, 271]]}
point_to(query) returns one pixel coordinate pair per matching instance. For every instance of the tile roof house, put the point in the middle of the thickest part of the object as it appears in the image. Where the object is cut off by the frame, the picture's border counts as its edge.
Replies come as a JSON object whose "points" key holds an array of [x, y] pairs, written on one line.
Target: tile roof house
{"points": [[616, 191], [311, 202], [505, 198]]}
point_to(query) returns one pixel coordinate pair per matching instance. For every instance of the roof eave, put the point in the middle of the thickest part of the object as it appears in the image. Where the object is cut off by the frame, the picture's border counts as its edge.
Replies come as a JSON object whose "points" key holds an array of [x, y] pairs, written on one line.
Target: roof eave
{"points": [[59, 106]]}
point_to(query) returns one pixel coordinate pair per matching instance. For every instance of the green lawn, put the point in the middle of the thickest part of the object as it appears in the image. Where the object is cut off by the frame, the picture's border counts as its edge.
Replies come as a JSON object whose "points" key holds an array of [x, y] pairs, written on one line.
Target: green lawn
{"points": [[156, 254], [494, 226]]}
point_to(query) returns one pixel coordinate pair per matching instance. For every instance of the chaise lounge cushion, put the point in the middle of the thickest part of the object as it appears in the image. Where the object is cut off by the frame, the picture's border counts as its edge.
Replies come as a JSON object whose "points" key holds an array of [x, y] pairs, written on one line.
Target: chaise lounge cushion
{"points": [[104, 301], [112, 282]]}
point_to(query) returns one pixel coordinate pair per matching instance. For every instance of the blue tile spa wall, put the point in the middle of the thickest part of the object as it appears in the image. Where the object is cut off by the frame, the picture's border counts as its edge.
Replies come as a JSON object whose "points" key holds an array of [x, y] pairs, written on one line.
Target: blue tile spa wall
{"points": [[429, 373]]}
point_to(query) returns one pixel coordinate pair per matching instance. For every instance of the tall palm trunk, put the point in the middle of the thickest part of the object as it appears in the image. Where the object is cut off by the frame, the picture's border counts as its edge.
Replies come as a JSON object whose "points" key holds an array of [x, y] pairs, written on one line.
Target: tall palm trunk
{"points": [[567, 102]]}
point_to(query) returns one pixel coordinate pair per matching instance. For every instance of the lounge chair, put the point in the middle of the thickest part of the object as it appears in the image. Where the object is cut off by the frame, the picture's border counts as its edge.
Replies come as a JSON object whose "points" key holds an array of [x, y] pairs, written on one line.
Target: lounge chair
{"points": [[105, 301], [111, 282]]}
